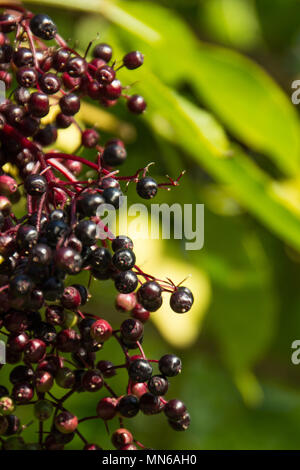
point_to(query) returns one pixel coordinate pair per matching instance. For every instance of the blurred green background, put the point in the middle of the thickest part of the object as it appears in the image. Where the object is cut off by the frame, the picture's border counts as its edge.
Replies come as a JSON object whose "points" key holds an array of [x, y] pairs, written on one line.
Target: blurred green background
{"points": [[218, 81]]}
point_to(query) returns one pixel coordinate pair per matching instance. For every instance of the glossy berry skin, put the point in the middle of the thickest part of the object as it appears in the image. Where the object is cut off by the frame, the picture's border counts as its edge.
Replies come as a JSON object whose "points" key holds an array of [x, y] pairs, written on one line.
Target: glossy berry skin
{"points": [[101, 330], [88, 203], [125, 302], [106, 368], [86, 231], [27, 77], [41, 254], [126, 282], [92, 380], [34, 350], [36, 185], [147, 188], [22, 393], [21, 285], [152, 305], [68, 260], [150, 290], [100, 259], [60, 59], [136, 104], [128, 406], [55, 230], [66, 422], [27, 236], [122, 242], [114, 155], [105, 75], [133, 60], [140, 370], [175, 409], [76, 67], [43, 381], [170, 365], [121, 437], [124, 259], [103, 51], [21, 374], [112, 196], [158, 385], [22, 57], [181, 424], [132, 330], [140, 313], [107, 408], [150, 404], [69, 104], [38, 104], [113, 90], [71, 298], [181, 300], [50, 83], [43, 26]]}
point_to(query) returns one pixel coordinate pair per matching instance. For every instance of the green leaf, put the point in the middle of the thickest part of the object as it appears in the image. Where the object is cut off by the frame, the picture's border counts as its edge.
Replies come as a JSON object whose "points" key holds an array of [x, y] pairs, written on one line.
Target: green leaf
{"points": [[250, 104]]}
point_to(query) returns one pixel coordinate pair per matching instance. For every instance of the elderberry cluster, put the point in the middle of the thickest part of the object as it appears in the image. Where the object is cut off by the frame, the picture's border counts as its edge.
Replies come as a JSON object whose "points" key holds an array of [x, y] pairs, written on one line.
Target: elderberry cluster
{"points": [[50, 339]]}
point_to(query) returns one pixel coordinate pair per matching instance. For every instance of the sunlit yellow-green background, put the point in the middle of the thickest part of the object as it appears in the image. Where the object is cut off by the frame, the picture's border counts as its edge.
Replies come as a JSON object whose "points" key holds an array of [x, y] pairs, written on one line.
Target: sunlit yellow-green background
{"points": [[217, 78]]}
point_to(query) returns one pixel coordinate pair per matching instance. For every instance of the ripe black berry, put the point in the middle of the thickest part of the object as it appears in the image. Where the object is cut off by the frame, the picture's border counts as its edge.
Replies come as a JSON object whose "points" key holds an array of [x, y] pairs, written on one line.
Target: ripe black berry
{"points": [[21, 374], [22, 57], [136, 104], [27, 77], [170, 365], [181, 300], [92, 380], [76, 67], [124, 259], [150, 290], [140, 370], [126, 282], [43, 26], [86, 231], [112, 196], [150, 404], [147, 188], [38, 104], [69, 104], [122, 242], [132, 330], [114, 155], [158, 385], [49, 83], [68, 260], [175, 409], [88, 203], [103, 51], [34, 350], [133, 60], [128, 406]]}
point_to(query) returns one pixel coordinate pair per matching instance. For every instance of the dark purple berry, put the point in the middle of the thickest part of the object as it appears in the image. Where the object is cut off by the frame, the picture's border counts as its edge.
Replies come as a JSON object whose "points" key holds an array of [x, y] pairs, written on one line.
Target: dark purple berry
{"points": [[43, 26], [133, 60], [147, 188], [126, 282], [136, 104], [103, 51], [170, 365], [140, 370], [128, 406], [124, 259], [114, 155], [181, 300]]}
